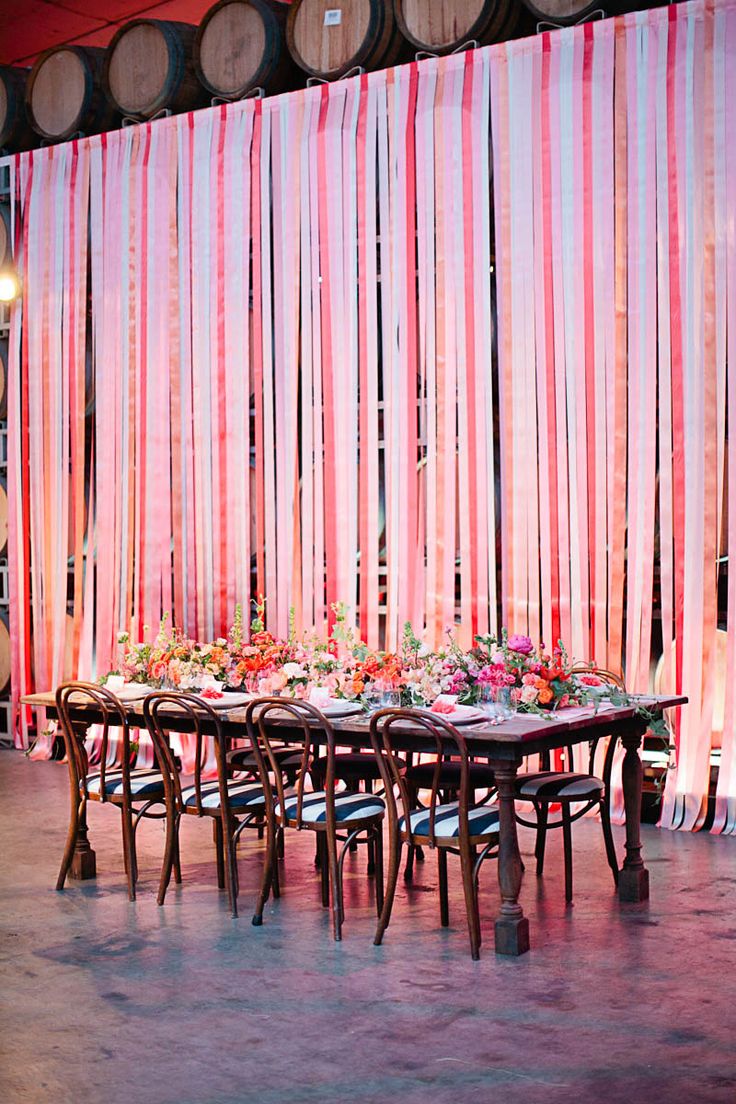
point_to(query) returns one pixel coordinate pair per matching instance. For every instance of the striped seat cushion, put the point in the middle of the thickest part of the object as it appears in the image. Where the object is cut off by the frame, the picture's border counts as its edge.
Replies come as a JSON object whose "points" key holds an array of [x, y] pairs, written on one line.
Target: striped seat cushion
{"points": [[482, 821], [243, 795], [348, 806], [244, 759], [143, 783], [351, 765], [422, 775], [553, 785]]}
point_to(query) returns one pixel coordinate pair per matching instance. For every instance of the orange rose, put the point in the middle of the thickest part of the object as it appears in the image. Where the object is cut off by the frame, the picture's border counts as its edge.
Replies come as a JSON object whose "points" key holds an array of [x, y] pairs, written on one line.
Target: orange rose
{"points": [[545, 696], [541, 684]]}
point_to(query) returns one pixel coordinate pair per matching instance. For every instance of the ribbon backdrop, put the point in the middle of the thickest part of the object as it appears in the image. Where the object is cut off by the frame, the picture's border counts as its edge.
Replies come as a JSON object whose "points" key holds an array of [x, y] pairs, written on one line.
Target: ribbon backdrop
{"points": [[284, 311]]}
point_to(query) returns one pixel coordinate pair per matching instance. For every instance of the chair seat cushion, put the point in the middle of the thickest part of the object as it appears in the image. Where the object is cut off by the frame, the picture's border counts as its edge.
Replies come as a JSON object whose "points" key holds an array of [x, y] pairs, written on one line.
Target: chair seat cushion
{"points": [[482, 821], [481, 776], [143, 783], [244, 759], [554, 785], [348, 806], [351, 765], [243, 795]]}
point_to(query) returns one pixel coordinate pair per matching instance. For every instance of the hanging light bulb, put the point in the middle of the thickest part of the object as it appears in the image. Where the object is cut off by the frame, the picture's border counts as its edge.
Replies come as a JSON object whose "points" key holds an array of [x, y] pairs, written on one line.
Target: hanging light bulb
{"points": [[9, 284]]}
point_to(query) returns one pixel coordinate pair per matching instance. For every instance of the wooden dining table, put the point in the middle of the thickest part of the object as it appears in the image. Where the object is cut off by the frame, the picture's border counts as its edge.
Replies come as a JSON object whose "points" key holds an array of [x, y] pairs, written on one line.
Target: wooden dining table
{"points": [[504, 746]]}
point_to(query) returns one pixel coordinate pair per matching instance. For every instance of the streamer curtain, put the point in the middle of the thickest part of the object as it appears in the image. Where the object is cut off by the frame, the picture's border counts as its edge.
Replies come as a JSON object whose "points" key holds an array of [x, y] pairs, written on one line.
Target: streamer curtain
{"points": [[286, 310]]}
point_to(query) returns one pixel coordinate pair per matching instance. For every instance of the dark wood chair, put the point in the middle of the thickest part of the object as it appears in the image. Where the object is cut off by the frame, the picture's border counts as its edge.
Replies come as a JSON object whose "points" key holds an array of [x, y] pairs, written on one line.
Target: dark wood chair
{"points": [[230, 804], [134, 792], [343, 818], [458, 827], [566, 788]]}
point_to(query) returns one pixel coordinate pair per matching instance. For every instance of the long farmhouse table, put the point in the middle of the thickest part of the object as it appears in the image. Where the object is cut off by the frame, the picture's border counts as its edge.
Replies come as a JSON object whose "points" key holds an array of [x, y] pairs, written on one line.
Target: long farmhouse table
{"points": [[504, 746]]}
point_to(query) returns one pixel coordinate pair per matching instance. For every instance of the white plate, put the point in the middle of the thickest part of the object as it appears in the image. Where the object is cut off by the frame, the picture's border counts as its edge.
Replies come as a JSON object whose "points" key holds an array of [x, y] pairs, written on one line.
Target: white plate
{"points": [[468, 715], [340, 709], [132, 691], [228, 700]]}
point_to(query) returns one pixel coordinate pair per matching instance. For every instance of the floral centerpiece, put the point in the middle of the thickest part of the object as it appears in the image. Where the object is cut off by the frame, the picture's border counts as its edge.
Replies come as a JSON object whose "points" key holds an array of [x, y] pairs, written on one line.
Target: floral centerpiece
{"points": [[343, 665]]}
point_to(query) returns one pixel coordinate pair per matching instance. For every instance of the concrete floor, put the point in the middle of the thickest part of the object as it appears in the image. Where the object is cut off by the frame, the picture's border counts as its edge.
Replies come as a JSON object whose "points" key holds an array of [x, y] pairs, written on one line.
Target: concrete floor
{"points": [[103, 1000]]}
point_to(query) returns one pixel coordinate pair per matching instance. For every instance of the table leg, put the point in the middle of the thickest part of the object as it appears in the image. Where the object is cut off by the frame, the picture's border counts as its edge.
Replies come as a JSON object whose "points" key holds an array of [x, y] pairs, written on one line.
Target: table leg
{"points": [[633, 879], [84, 860], [512, 927]]}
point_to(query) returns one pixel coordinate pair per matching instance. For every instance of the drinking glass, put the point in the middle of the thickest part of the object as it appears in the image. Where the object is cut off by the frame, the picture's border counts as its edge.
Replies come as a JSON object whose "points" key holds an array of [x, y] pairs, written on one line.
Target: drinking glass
{"points": [[487, 702], [390, 698], [505, 705]]}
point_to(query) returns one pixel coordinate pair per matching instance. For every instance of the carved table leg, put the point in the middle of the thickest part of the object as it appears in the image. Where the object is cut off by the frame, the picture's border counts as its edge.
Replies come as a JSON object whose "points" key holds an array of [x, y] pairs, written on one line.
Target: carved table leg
{"points": [[633, 879], [512, 927], [84, 861]]}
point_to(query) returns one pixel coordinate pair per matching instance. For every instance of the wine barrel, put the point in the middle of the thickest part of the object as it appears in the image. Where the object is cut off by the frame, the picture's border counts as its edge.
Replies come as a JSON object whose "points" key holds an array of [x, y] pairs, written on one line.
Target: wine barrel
{"points": [[566, 12], [64, 96], [15, 133], [327, 38], [241, 45], [4, 654], [3, 516], [150, 68], [3, 378], [443, 25]]}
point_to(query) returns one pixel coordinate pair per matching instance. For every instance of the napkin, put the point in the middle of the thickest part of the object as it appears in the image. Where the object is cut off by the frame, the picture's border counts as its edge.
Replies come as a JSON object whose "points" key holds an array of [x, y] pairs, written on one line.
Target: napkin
{"points": [[319, 697]]}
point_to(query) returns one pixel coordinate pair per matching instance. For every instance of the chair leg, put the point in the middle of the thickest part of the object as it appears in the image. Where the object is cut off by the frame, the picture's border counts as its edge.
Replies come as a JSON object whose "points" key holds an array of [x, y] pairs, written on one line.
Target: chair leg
{"points": [[171, 856], [542, 814], [393, 876], [70, 846], [177, 856], [471, 900], [371, 856], [608, 838], [378, 849], [444, 902], [269, 864], [129, 851], [219, 844], [567, 843], [231, 869], [335, 878], [324, 869], [280, 843]]}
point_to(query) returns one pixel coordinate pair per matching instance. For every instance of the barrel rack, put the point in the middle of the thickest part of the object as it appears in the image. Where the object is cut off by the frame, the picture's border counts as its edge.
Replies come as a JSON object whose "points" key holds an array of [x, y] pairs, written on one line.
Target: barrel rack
{"points": [[6, 737]]}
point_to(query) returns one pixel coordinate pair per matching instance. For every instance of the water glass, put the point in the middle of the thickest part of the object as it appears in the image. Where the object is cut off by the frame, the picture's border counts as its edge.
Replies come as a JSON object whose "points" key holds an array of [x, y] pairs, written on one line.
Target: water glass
{"points": [[505, 705], [487, 702], [390, 698]]}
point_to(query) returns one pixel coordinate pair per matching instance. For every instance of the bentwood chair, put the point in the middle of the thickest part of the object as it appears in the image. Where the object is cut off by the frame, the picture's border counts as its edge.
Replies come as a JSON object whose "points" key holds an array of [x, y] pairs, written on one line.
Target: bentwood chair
{"points": [[459, 827], [134, 792], [335, 817], [231, 805], [566, 788]]}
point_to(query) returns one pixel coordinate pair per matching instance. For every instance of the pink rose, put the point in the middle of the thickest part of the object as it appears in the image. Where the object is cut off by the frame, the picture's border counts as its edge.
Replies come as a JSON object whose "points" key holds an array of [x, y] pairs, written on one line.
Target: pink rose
{"points": [[520, 644], [529, 695]]}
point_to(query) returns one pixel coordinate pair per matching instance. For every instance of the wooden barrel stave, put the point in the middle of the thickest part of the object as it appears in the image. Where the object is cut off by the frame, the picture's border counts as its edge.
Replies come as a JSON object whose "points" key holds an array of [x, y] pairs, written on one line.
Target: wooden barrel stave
{"points": [[150, 68], [241, 45], [444, 25], [15, 132], [64, 94], [568, 12], [360, 33]]}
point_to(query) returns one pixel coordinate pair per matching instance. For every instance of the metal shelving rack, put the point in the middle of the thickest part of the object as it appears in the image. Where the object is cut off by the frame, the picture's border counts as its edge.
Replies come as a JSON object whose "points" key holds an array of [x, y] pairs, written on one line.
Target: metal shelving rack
{"points": [[5, 714]]}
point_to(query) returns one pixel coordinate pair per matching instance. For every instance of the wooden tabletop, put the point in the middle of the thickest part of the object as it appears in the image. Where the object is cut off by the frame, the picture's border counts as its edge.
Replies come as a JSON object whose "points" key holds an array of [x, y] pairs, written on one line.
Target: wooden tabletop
{"points": [[567, 725]]}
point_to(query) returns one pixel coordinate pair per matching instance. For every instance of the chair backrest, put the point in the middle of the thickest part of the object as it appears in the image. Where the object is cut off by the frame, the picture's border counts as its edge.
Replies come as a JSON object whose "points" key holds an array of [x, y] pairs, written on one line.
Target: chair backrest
{"points": [[441, 739], [166, 712], [614, 680], [265, 719], [108, 712]]}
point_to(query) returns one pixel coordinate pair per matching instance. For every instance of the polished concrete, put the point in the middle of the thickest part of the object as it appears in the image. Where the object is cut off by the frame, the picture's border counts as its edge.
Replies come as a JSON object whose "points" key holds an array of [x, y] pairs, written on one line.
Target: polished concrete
{"points": [[103, 1000]]}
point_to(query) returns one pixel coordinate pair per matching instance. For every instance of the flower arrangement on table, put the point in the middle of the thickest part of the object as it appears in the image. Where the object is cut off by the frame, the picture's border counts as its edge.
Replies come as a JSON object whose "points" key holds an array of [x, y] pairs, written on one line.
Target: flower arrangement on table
{"points": [[538, 681]]}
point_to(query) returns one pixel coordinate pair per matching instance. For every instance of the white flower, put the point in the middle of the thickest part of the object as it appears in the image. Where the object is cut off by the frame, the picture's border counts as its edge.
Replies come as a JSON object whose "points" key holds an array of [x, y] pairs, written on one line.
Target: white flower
{"points": [[123, 637], [294, 670]]}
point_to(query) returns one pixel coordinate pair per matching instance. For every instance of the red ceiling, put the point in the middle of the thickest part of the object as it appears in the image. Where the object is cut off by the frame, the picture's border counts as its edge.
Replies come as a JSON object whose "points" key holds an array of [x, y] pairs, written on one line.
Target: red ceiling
{"points": [[27, 27]]}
